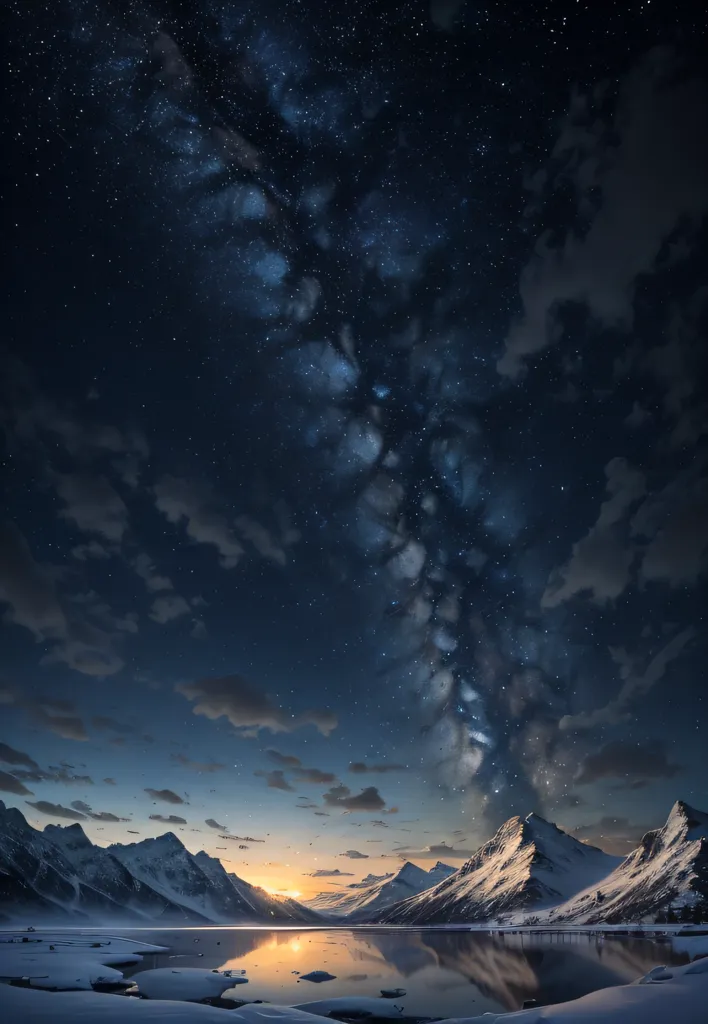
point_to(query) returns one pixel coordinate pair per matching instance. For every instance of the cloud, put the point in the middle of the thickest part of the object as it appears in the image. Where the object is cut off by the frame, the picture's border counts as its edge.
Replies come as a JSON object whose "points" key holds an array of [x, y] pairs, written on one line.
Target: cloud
{"points": [[8, 755], [328, 873], [631, 761], [84, 808], [92, 549], [635, 685], [286, 760], [166, 795], [341, 796], [110, 782], [275, 780], [209, 767], [360, 768], [614, 835], [261, 539], [234, 698], [11, 784], [93, 505], [673, 523], [145, 569], [30, 593], [314, 775], [600, 563], [212, 823], [181, 501], [354, 855], [433, 852], [112, 725], [168, 819], [168, 607], [68, 726], [56, 810], [648, 171]]}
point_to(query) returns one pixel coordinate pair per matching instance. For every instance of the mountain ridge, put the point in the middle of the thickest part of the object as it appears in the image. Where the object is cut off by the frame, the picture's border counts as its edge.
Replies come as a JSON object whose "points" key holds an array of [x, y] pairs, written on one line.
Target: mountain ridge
{"points": [[58, 873]]}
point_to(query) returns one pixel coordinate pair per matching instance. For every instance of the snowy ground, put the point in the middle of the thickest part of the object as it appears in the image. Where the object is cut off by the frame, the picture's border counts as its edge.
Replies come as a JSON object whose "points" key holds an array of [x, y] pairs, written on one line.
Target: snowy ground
{"points": [[36, 961]]}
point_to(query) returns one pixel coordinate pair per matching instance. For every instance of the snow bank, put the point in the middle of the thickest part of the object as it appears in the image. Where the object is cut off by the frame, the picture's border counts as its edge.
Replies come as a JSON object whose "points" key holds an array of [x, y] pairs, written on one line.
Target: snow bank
{"points": [[188, 983], [54, 971], [676, 995], [693, 945], [351, 1004], [93, 943], [25, 1006]]}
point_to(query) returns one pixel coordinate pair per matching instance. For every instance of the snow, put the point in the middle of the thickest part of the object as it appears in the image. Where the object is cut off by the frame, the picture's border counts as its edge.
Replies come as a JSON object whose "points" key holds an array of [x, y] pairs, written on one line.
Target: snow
{"points": [[351, 1004], [693, 945], [25, 1006], [668, 867], [675, 996], [318, 976], [527, 863], [66, 961], [185, 983]]}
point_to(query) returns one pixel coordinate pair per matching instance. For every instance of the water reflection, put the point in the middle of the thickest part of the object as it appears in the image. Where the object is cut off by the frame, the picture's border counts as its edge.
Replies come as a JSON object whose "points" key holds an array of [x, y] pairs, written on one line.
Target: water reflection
{"points": [[444, 973]]}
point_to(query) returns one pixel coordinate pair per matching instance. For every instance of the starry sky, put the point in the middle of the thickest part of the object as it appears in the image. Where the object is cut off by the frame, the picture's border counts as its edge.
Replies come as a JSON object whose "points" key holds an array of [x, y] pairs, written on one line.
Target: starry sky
{"points": [[354, 486]]}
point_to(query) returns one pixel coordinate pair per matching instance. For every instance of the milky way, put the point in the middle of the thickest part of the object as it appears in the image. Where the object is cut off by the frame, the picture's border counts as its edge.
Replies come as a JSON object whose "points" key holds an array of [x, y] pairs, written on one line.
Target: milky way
{"points": [[359, 238]]}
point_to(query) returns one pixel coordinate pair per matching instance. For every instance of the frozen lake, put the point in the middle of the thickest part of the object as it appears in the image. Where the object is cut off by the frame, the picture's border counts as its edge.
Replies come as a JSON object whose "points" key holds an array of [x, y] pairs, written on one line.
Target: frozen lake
{"points": [[444, 973]]}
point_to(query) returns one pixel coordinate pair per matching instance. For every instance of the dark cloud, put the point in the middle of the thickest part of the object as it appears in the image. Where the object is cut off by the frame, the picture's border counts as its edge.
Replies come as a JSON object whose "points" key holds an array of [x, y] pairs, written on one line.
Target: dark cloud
{"points": [[313, 775], [600, 562], [11, 784], [112, 725], [183, 502], [341, 796], [153, 580], [354, 855], [636, 683], [56, 810], [168, 819], [84, 808], [212, 823], [234, 698], [166, 795], [360, 768], [329, 873], [275, 780], [110, 782], [286, 760], [32, 600], [207, 767], [649, 170], [93, 505], [8, 755], [635, 762], [168, 607]]}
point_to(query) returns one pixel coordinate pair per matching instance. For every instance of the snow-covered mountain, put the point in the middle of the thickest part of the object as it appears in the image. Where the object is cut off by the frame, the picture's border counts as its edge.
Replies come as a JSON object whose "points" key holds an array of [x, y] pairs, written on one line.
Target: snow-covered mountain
{"points": [[367, 899], [528, 863], [60, 873], [668, 869], [37, 877]]}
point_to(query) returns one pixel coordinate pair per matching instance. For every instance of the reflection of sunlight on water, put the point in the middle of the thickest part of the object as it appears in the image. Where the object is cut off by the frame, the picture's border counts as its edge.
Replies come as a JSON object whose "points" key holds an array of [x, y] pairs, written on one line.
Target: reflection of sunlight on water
{"points": [[444, 973]]}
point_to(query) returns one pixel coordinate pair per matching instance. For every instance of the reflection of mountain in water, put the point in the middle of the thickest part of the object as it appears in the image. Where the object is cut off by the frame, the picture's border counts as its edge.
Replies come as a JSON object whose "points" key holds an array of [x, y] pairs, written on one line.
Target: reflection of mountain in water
{"points": [[511, 968]]}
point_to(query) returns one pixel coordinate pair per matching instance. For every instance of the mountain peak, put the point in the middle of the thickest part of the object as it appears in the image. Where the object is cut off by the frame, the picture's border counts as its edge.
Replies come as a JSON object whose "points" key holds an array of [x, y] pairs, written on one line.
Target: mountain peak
{"points": [[74, 833]]}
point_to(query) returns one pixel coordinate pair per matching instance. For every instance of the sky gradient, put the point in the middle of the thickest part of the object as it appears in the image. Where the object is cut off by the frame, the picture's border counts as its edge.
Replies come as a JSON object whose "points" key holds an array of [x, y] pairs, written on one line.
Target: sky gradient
{"points": [[354, 460]]}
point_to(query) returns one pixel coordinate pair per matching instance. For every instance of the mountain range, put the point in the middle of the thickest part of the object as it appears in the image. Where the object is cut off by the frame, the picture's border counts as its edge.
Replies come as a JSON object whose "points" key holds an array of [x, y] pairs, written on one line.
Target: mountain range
{"points": [[60, 873], [527, 863], [367, 899], [530, 870]]}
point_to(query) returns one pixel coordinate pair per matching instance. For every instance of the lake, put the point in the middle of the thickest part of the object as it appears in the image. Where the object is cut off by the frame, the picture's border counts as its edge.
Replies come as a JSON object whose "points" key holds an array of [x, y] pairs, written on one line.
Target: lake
{"points": [[445, 973]]}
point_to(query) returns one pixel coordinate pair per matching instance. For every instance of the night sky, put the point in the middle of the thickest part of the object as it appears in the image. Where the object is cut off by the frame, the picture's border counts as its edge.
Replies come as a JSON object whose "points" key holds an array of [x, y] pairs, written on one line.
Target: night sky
{"points": [[355, 462]]}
